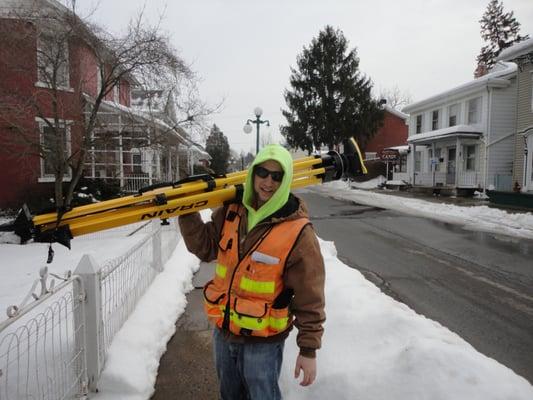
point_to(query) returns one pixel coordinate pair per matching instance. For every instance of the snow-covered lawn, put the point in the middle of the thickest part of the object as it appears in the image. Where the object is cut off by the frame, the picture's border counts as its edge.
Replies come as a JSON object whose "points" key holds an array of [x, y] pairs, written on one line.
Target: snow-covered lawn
{"points": [[20, 264]]}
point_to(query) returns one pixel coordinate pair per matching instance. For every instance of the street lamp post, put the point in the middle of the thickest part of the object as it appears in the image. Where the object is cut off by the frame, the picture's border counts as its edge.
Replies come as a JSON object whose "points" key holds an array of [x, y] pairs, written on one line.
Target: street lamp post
{"points": [[248, 128]]}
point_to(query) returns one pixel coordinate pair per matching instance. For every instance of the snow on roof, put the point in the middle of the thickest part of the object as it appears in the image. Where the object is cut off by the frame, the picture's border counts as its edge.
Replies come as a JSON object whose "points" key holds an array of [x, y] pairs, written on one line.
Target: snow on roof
{"points": [[396, 112], [497, 77], [200, 150], [401, 149], [149, 100], [196, 149], [516, 50], [450, 131], [140, 114]]}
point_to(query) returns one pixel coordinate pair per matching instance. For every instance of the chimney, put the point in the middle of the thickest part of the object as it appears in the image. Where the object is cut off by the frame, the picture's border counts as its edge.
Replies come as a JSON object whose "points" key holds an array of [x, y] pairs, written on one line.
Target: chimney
{"points": [[480, 70]]}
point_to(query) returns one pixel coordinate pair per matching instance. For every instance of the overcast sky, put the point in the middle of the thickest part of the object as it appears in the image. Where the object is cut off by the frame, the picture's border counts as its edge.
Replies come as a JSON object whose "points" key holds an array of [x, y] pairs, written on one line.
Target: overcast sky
{"points": [[243, 49]]}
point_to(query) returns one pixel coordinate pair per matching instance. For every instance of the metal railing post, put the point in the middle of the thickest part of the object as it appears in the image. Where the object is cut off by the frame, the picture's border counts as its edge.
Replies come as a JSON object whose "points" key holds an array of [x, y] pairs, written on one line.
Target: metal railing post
{"points": [[88, 272], [79, 334]]}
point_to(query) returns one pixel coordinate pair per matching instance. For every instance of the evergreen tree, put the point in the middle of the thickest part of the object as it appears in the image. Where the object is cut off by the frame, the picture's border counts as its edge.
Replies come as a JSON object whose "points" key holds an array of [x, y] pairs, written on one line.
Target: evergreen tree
{"points": [[329, 100], [499, 30], [218, 148]]}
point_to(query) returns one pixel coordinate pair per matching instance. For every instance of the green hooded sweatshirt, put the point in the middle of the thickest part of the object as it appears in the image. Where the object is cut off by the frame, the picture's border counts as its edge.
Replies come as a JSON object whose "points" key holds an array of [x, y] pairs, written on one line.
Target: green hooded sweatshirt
{"points": [[280, 197]]}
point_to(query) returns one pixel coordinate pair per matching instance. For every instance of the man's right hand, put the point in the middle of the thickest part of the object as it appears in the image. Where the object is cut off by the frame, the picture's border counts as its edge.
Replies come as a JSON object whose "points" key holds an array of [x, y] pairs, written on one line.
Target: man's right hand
{"points": [[308, 366]]}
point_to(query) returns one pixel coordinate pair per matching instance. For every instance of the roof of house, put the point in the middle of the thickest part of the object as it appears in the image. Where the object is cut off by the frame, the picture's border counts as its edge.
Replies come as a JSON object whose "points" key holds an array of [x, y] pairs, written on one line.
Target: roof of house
{"points": [[196, 149], [149, 100], [404, 149], [497, 77], [142, 116], [516, 50], [465, 130], [396, 112]]}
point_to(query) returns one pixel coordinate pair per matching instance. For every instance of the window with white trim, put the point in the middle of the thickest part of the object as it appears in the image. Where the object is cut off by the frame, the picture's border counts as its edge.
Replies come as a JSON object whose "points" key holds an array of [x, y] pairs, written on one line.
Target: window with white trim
{"points": [[53, 62], [470, 157], [435, 120], [453, 115], [136, 160], [474, 111], [50, 140], [419, 123], [401, 165]]}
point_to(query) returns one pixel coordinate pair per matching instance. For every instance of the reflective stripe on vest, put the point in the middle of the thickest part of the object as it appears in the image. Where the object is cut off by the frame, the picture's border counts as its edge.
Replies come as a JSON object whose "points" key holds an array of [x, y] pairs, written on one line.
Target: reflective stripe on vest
{"points": [[220, 270], [257, 324], [256, 286]]}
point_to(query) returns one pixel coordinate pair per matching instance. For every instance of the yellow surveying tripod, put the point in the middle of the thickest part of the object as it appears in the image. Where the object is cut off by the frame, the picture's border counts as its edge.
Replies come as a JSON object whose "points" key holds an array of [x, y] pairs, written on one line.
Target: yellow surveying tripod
{"points": [[166, 200]]}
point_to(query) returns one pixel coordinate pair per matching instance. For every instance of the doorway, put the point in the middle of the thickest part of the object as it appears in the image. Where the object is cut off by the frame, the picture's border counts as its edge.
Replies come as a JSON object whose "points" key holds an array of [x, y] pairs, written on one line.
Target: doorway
{"points": [[450, 167]]}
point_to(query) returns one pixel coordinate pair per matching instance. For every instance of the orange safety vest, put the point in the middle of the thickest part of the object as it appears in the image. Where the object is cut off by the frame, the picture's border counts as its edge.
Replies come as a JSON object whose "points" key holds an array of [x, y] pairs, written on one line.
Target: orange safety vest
{"points": [[242, 295]]}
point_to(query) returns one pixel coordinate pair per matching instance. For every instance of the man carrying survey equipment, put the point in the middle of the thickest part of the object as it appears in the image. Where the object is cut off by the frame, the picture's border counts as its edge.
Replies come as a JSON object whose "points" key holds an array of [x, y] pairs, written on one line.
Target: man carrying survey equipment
{"points": [[269, 276]]}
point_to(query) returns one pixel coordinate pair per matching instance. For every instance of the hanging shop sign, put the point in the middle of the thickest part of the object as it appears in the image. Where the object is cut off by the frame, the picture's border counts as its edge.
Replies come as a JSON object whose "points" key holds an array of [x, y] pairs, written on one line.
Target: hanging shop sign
{"points": [[389, 155]]}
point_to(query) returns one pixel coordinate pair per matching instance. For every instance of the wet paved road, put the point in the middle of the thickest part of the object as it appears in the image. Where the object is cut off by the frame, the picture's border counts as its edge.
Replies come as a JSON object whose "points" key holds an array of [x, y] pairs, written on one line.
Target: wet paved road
{"points": [[477, 284]]}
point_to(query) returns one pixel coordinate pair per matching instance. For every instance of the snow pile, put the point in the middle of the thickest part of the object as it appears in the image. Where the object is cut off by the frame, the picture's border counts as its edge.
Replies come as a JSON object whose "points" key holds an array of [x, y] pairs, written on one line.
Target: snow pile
{"points": [[480, 195], [370, 184], [20, 264], [390, 352], [133, 358], [396, 183], [480, 218]]}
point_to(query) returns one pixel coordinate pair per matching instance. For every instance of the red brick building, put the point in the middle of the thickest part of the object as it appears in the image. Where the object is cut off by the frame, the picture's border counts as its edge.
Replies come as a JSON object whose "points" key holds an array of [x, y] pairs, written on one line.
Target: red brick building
{"points": [[393, 133], [31, 107]]}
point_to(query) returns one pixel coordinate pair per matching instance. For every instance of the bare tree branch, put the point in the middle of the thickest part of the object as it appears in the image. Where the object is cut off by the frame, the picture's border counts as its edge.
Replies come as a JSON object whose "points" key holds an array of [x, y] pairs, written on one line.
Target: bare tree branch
{"points": [[72, 76]]}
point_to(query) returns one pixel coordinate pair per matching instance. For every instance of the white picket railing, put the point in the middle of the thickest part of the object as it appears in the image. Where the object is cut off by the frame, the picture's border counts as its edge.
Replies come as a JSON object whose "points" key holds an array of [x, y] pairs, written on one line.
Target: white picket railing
{"points": [[134, 182], [465, 179], [55, 347]]}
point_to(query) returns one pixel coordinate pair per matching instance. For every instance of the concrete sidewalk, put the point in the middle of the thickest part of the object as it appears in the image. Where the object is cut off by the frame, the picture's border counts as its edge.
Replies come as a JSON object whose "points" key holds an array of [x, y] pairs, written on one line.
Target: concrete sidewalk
{"points": [[186, 370]]}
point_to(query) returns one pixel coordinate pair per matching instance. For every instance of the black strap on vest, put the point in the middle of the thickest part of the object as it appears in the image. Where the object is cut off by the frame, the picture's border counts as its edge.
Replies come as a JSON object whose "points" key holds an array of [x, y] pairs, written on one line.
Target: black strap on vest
{"points": [[231, 215]]}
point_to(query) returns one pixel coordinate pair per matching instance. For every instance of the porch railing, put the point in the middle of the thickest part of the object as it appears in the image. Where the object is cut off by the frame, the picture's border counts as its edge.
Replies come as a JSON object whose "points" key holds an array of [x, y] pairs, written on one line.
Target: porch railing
{"points": [[430, 179], [465, 179], [468, 179], [134, 182]]}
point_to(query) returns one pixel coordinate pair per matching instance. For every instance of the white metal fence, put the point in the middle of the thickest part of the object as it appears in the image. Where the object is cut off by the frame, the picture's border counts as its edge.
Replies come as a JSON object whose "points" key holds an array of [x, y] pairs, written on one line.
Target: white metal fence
{"points": [[41, 348], [54, 347]]}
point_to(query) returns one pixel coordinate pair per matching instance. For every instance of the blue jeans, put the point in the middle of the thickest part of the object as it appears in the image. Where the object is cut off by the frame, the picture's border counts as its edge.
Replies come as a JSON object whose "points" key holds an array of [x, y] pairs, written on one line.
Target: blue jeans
{"points": [[247, 371]]}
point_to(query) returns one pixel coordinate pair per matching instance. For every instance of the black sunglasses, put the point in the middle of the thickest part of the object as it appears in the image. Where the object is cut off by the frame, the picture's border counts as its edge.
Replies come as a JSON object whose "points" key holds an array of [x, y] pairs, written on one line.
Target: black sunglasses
{"points": [[263, 173]]}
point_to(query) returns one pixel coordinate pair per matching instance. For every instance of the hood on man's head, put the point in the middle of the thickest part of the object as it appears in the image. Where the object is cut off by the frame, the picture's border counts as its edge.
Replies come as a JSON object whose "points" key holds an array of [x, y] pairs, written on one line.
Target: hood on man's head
{"points": [[277, 153]]}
